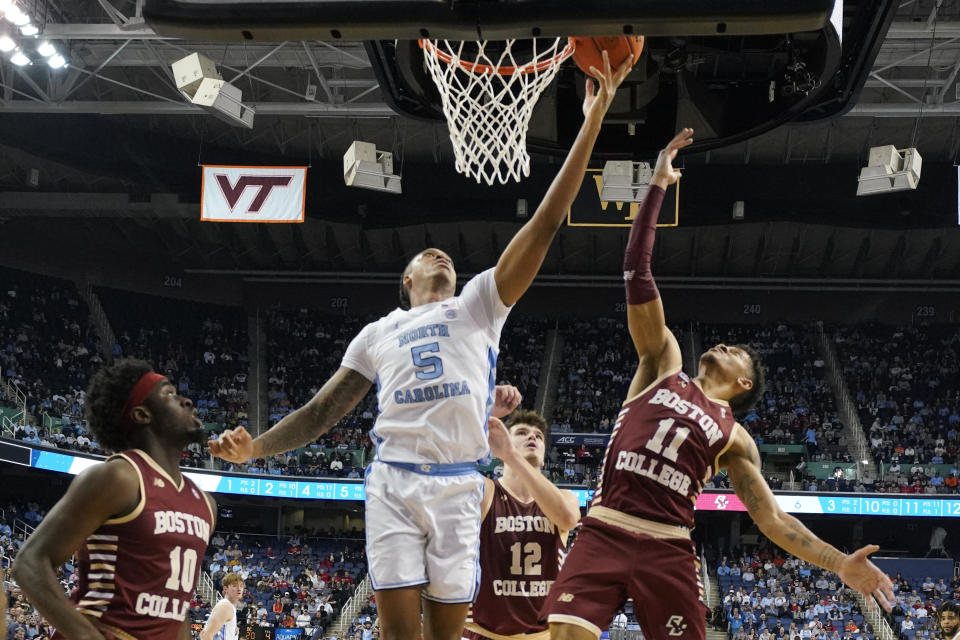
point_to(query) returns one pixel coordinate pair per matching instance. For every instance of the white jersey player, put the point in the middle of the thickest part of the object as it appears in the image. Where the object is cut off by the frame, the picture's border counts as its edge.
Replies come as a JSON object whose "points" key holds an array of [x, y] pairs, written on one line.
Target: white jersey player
{"points": [[433, 362], [222, 623]]}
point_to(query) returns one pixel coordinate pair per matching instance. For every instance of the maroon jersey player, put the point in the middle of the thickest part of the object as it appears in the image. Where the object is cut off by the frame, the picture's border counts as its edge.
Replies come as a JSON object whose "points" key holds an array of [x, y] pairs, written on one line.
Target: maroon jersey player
{"points": [[523, 534], [139, 528], [672, 434]]}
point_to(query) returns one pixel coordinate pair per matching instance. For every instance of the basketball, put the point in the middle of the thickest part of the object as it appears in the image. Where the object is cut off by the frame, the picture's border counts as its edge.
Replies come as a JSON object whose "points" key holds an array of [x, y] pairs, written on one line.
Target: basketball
{"points": [[589, 51]]}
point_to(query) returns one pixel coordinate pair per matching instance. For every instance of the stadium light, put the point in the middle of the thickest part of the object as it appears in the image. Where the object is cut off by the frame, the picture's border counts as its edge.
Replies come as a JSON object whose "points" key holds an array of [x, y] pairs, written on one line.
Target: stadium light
{"points": [[625, 181], [29, 30], [46, 49], [20, 59], [367, 167], [889, 170], [57, 61], [197, 79], [7, 44]]}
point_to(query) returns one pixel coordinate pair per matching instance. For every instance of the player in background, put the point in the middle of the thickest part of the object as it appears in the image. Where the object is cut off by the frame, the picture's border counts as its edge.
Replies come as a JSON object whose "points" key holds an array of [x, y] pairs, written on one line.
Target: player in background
{"points": [[138, 526], [222, 623], [434, 367], [671, 436], [523, 536], [948, 621]]}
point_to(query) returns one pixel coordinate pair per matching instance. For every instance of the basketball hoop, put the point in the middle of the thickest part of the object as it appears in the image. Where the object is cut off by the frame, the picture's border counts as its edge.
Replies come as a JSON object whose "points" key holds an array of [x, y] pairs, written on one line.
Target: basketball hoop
{"points": [[488, 99]]}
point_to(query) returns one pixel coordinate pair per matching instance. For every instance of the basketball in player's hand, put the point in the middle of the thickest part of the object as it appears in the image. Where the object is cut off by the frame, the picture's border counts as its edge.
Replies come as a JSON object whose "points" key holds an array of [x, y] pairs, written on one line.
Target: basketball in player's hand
{"points": [[589, 51]]}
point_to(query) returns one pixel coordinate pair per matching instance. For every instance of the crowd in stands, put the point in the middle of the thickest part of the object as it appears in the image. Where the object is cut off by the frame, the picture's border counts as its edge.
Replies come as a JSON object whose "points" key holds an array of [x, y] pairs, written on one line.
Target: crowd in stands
{"points": [[769, 595], [772, 596], [301, 581], [202, 348], [48, 348], [597, 364], [906, 385], [905, 382], [798, 405]]}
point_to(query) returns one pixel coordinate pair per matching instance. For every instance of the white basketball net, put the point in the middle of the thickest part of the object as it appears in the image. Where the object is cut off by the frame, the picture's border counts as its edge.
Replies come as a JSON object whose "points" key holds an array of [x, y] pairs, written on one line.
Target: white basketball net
{"points": [[488, 101]]}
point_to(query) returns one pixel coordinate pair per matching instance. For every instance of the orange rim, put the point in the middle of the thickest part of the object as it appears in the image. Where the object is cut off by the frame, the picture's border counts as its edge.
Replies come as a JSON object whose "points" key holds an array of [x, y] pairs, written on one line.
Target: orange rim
{"points": [[486, 69]]}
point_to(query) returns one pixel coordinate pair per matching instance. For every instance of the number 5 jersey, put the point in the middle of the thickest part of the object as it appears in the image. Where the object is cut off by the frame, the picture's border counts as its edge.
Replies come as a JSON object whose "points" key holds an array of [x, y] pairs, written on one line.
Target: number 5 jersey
{"points": [[138, 572], [434, 366]]}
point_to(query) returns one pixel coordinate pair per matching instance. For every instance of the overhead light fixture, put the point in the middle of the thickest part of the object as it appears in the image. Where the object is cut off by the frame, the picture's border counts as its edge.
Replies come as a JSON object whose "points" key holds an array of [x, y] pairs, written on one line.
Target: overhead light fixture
{"points": [[29, 30], [17, 16], [889, 170], [197, 79], [7, 44], [625, 181], [20, 59], [57, 61], [367, 167], [46, 49]]}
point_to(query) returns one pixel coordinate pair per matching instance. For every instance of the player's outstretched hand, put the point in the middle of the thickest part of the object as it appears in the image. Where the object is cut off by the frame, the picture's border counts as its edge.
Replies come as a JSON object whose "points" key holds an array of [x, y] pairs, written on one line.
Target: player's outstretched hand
{"points": [[233, 445], [506, 399], [500, 444], [664, 174], [597, 102], [860, 573]]}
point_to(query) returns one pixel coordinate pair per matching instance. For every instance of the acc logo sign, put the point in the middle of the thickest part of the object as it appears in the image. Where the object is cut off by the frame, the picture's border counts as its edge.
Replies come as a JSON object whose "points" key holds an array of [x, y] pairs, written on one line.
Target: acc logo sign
{"points": [[676, 626], [566, 440], [253, 194], [720, 502]]}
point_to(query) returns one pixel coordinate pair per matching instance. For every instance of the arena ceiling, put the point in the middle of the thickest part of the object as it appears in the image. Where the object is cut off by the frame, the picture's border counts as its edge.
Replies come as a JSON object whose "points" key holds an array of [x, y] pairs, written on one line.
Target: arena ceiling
{"points": [[113, 123]]}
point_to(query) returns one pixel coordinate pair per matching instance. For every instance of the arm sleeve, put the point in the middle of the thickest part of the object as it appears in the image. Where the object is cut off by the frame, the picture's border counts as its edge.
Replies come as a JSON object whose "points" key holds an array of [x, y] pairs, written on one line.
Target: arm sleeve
{"points": [[637, 277], [358, 356], [481, 299]]}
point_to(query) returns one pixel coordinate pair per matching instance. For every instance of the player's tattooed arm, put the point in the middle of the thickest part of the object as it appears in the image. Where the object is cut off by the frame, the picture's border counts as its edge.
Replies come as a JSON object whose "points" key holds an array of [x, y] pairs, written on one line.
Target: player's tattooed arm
{"points": [[742, 462], [339, 395]]}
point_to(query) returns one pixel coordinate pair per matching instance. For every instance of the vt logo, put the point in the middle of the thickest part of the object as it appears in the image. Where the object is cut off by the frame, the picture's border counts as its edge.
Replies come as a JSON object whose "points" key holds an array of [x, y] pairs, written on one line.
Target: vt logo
{"points": [[264, 185]]}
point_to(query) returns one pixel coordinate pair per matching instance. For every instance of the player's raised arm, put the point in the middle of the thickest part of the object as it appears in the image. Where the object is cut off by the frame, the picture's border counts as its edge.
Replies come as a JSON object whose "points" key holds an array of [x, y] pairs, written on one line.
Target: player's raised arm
{"points": [[562, 507], [84, 508], [340, 394], [655, 344], [742, 462], [522, 258]]}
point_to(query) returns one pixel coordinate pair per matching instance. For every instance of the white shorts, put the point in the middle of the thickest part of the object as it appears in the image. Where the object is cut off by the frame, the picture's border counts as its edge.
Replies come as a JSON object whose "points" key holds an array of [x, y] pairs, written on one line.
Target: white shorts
{"points": [[424, 530]]}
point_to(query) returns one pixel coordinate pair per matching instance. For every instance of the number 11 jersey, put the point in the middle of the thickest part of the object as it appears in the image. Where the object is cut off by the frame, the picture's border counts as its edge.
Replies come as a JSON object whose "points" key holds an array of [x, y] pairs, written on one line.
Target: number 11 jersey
{"points": [[664, 446], [435, 369]]}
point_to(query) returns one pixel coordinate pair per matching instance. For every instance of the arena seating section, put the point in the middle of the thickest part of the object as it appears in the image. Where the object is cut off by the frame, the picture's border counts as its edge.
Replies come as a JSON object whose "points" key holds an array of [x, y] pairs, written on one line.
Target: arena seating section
{"points": [[906, 385], [904, 380], [817, 605]]}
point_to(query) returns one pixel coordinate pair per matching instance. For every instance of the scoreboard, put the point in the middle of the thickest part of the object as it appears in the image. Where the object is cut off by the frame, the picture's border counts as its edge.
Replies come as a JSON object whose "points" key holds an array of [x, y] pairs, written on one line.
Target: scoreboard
{"points": [[270, 486]]}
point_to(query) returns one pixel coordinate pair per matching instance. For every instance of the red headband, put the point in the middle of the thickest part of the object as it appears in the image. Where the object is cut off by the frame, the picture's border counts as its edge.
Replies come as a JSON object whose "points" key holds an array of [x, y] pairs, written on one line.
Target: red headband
{"points": [[138, 395]]}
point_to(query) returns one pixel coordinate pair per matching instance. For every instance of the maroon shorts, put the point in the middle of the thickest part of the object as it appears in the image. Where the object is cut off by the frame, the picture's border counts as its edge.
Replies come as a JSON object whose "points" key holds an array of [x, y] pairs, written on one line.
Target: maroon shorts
{"points": [[608, 564]]}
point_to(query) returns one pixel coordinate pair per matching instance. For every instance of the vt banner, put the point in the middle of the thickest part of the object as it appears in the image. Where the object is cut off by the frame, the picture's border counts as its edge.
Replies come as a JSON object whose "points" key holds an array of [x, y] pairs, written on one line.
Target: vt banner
{"points": [[253, 194]]}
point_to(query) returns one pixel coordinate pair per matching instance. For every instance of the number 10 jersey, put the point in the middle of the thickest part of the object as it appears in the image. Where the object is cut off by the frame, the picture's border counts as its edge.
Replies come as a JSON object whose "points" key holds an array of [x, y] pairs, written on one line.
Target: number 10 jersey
{"points": [[138, 572], [664, 446], [434, 366]]}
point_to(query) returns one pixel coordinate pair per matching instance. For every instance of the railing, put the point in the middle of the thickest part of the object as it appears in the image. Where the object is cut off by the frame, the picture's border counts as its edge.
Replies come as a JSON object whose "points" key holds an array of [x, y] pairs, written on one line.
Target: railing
{"points": [[705, 579], [206, 589], [845, 406], [99, 317], [549, 371], [22, 528], [353, 606], [19, 399], [876, 619], [626, 634]]}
